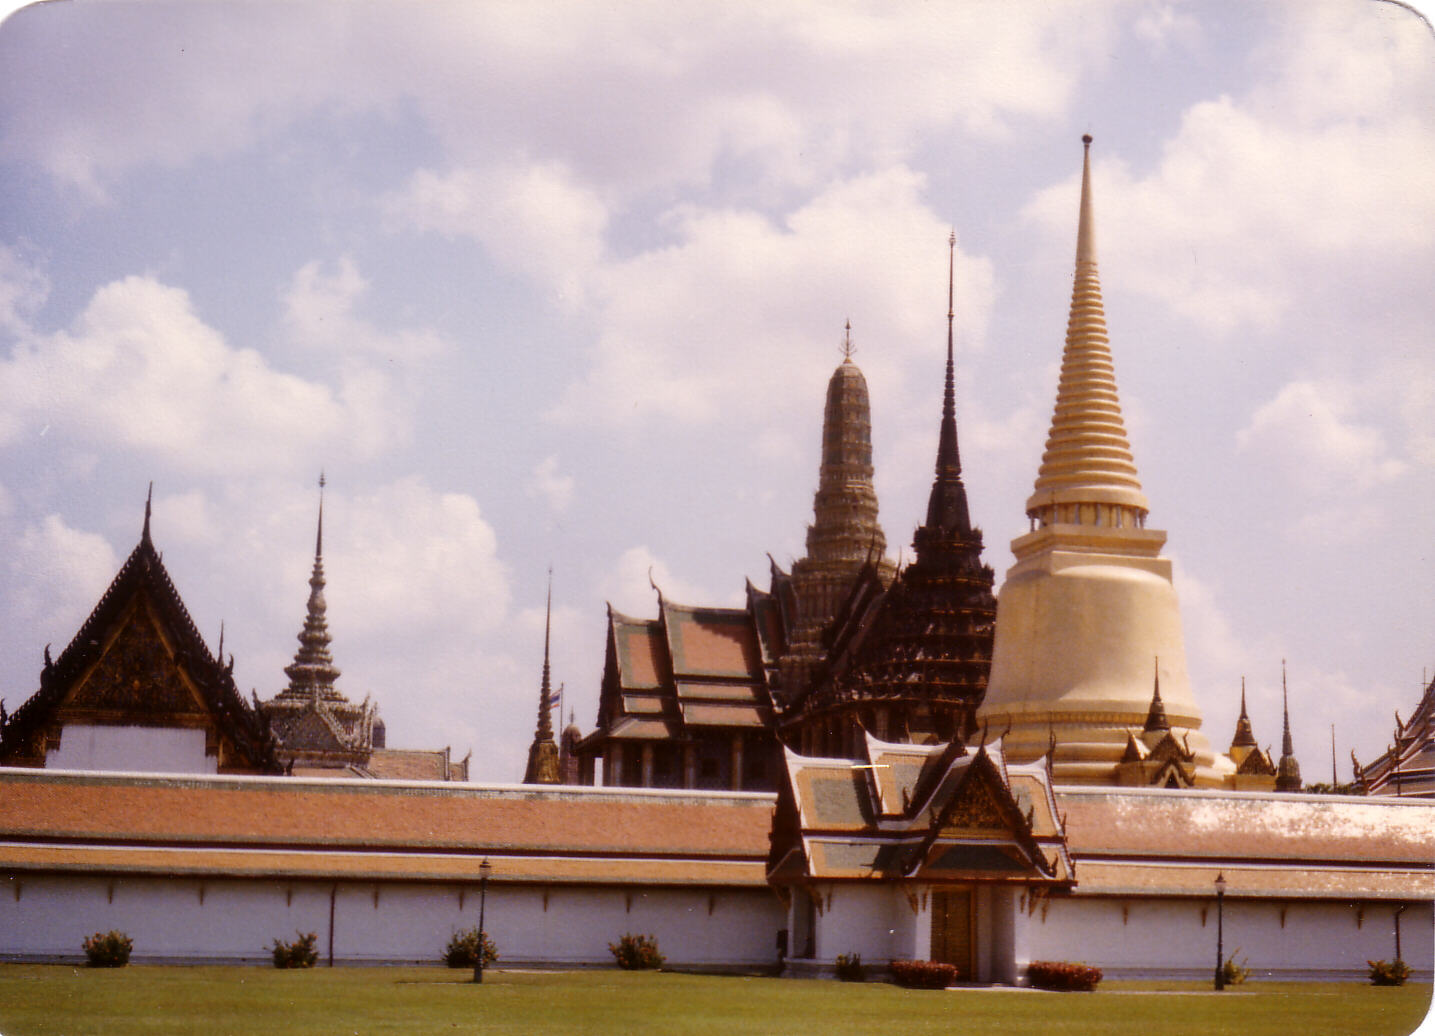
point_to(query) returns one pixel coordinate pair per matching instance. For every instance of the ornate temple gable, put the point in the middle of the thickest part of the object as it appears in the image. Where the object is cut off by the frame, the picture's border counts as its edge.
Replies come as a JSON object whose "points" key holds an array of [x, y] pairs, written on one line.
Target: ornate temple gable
{"points": [[1257, 763], [138, 659], [136, 682], [314, 731], [1407, 767]]}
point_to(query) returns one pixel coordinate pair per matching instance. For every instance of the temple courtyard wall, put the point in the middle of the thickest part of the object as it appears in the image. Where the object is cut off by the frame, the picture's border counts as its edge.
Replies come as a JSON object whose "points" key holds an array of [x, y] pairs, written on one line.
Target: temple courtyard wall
{"points": [[214, 868]]}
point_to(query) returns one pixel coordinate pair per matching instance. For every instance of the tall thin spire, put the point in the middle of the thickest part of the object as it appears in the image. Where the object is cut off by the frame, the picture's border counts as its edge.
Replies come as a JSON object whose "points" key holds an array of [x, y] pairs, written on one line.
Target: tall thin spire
{"points": [[543, 753], [312, 673], [947, 504], [149, 497], [1288, 769], [1156, 716], [1244, 737], [1088, 458]]}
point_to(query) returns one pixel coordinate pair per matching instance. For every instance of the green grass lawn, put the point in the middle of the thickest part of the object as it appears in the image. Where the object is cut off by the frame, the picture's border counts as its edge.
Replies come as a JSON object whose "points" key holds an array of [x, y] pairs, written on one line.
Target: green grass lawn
{"points": [[230, 1001]]}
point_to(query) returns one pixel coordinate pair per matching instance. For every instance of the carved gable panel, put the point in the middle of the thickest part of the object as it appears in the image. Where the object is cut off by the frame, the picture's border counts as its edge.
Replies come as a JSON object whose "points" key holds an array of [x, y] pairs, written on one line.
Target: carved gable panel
{"points": [[137, 676], [973, 807]]}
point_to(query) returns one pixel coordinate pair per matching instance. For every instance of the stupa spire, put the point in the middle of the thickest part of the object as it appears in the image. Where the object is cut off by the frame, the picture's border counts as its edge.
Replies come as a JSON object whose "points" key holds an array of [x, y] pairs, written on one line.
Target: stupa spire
{"points": [[947, 505], [1087, 475], [312, 673], [543, 753], [1288, 769], [1156, 716], [1244, 737], [845, 526], [149, 497]]}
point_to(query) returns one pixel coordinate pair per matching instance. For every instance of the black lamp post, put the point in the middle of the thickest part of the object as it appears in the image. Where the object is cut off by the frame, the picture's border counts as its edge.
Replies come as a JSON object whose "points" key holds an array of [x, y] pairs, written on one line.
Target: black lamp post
{"points": [[1220, 932], [483, 871]]}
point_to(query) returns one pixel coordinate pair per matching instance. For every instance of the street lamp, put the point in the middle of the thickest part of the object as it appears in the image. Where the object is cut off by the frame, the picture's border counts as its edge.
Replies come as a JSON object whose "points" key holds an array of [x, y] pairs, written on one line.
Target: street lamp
{"points": [[1220, 949], [484, 869]]}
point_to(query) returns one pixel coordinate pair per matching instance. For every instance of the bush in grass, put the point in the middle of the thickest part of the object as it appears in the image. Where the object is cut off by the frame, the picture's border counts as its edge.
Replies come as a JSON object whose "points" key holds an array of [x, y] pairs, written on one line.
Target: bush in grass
{"points": [[636, 952], [923, 974], [301, 953], [1234, 974], [1392, 974], [850, 969], [108, 949], [462, 949], [1062, 976]]}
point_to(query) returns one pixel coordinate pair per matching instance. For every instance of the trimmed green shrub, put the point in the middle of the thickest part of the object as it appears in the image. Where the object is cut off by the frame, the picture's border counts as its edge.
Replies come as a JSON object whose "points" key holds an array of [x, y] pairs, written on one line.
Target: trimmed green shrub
{"points": [[462, 949], [923, 974], [1063, 976], [108, 949], [301, 953], [1392, 974], [850, 969], [636, 952], [1234, 974]]}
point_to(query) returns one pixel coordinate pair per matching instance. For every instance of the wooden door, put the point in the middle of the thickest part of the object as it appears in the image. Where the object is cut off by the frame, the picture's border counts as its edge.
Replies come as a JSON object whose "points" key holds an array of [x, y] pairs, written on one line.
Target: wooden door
{"points": [[952, 929]]}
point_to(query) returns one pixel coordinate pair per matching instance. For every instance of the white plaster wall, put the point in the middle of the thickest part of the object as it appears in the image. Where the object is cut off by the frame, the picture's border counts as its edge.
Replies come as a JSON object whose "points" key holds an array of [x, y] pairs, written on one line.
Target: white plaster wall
{"points": [[239, 920], [1166, 938], [863, 919], [158, 750]]}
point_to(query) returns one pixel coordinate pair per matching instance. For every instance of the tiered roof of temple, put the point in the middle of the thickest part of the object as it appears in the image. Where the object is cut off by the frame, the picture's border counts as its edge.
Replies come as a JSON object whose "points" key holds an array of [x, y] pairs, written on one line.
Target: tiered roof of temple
{"points": [[1407, 767], [138, 661], [684, 701], [931, 813], [909, 661]]}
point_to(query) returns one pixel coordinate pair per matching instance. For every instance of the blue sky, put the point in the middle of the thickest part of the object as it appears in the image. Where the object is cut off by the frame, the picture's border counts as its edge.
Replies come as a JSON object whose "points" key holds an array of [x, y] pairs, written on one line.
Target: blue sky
{"points": [[562, 284]]}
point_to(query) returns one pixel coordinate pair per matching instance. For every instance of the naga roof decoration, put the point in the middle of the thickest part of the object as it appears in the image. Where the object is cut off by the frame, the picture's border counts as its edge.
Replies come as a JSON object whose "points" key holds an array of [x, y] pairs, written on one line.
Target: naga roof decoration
{"points": [[1407, 767]]}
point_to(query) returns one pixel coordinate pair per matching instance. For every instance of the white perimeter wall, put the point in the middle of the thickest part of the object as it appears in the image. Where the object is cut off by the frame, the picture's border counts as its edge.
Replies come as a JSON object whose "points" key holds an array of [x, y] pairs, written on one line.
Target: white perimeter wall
{"points": [[155, 749], [49, 917], [1167, 938]]}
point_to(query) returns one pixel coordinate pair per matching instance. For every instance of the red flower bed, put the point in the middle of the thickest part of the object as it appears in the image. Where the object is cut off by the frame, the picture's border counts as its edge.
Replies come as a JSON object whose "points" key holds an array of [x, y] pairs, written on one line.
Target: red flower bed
{"points": [[923, 974], [1063, 976]]}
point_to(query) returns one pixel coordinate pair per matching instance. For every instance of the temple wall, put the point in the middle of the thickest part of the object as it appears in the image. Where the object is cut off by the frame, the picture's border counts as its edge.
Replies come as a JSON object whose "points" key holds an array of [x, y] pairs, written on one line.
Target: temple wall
{"points": [[236, 921], [1167, 938], [152, 749]]}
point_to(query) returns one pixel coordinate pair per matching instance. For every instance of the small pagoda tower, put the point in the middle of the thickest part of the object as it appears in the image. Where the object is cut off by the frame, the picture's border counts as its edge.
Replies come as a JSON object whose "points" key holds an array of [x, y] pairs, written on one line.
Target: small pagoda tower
{"points": [[543, 753], [1288, 769], [1254, 769], [318, 728], [909, 663], [844, 534], [1089, 601]]}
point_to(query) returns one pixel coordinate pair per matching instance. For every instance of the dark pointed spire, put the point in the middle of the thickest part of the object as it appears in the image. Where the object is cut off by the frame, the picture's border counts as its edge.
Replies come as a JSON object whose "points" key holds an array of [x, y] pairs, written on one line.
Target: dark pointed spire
{"points": [[312, 673], [543, 753], [847, 347], [1244, 736], [149, 497], [1288, 769], [1156, 717], [947, 505]]}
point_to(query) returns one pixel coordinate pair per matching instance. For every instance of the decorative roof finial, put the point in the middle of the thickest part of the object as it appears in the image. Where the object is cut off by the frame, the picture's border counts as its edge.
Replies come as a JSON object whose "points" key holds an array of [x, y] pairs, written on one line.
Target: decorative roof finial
{"points": [[543, 753], [319, 541], [847, 347], [144, 533], [1244, 737], [947, 512], [1156, 715], [1288, 769]]}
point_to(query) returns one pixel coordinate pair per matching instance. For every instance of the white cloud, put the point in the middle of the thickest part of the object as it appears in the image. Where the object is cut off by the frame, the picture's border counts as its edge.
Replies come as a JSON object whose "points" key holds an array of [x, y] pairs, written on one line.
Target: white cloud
{"points": [[23, 288], [682, 325], [628, 585], [1314, 429], [319, 312], [55, 576], [1328, 155], [140, 370], [536, 219], [550, 485]]}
